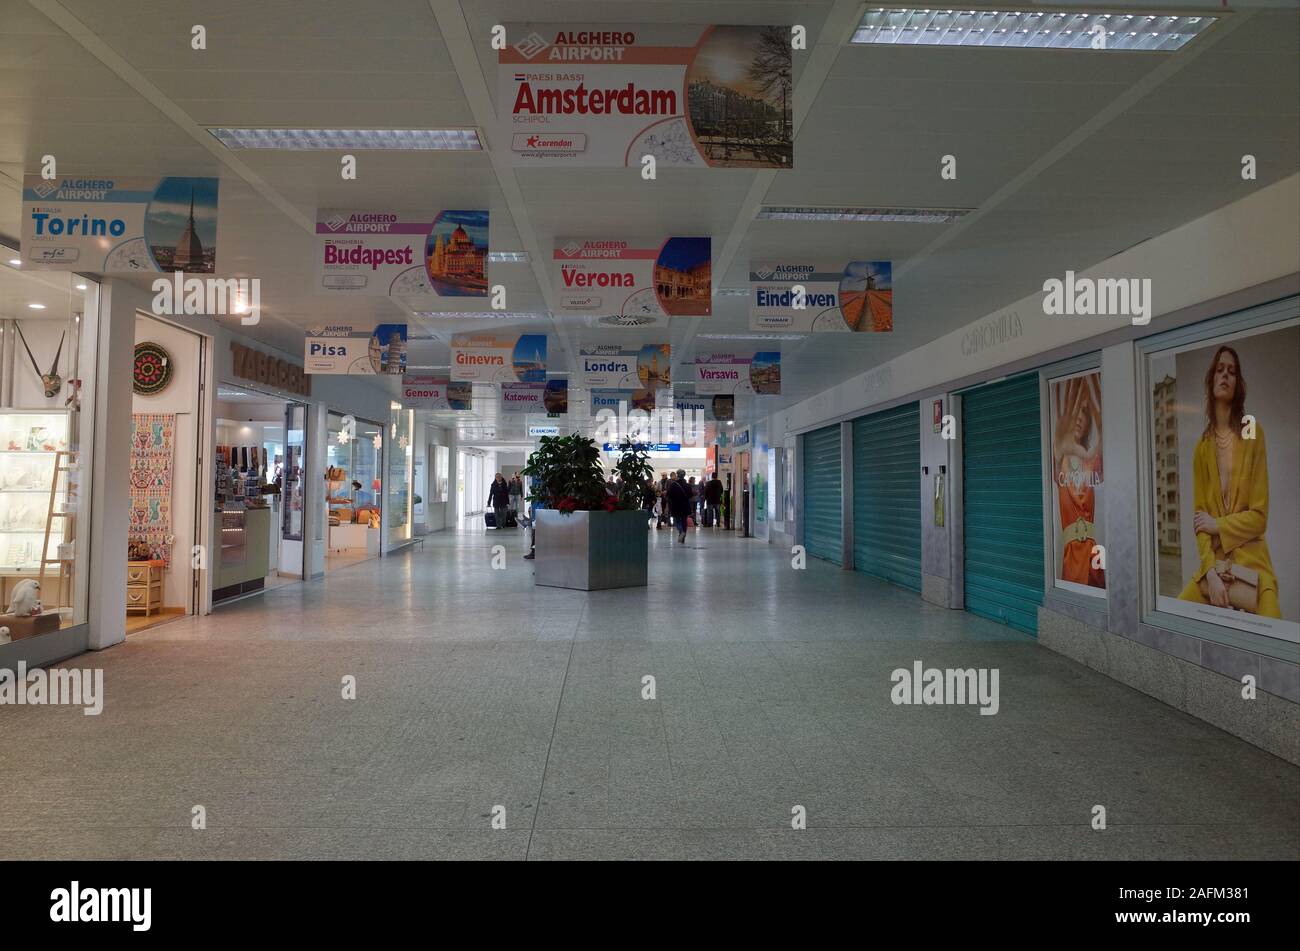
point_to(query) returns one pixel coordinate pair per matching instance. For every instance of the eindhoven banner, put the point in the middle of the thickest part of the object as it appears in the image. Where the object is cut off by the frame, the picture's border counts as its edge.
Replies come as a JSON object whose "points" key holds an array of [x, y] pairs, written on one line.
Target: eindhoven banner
{"points": [[691, 96], [391, 253], [730, 373], [645, 284], [115, 225], [1225, 461], [499, 358], [613, 367], [342, 349], [857, 297]]}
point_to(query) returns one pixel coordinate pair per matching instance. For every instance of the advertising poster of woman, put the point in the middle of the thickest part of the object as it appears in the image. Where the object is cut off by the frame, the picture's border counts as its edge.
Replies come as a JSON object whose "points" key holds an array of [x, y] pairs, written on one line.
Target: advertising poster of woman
{"points": [[1227, 470], [1077, 476]]}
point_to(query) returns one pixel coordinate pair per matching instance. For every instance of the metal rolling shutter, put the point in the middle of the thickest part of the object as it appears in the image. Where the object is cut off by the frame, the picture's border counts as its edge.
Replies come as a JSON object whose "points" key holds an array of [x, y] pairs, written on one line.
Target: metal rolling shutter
{"points": [[887, 495], [1003, 502], [822, 493]]}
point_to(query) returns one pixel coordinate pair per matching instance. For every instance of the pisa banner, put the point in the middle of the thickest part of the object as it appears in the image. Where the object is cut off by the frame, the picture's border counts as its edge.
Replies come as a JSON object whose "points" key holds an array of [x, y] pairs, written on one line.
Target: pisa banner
{"points": [[380, 252], [857, 297], [120, 225], [690, 96], [637, 283], [757, 374]]}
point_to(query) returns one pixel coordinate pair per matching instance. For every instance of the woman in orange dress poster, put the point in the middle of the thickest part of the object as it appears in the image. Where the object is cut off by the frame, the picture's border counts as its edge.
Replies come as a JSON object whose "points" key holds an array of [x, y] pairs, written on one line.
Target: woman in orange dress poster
{"points": [[1077, 461]]}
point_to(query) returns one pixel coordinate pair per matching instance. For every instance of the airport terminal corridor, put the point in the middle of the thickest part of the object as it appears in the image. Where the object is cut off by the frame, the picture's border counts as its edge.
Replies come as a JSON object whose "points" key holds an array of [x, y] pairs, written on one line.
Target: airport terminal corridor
{"points": [[478, 694]]}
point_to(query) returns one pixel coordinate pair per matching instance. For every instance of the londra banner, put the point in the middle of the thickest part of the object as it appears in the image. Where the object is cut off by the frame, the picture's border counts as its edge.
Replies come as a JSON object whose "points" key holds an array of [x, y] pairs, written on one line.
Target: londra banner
{"points": [[690, 96]]}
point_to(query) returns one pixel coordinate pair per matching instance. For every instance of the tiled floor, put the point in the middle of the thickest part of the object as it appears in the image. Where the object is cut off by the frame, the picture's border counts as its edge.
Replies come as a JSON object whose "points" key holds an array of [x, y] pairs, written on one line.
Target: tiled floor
{"points": [[476, 689]]}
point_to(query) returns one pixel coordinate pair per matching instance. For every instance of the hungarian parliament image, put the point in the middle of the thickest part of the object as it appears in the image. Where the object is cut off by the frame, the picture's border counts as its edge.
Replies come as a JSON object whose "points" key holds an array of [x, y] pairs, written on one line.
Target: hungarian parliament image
{"points": [[458, 261]]}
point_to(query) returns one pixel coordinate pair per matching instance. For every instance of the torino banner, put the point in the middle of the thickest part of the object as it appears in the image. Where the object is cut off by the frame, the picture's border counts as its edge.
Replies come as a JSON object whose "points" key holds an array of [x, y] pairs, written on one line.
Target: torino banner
{"points": [[644, 285], [499, 358], [730, 373], [373, 253], [855, 297], [120, 225], [691, 96]]}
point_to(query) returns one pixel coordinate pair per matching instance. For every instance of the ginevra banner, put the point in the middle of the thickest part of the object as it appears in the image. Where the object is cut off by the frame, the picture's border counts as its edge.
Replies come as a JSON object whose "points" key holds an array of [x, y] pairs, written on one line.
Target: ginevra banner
{"points": [[731, 373], [857, 297], [384, 252], [644, 283], [120, 225], [432, 392], [618, 367], [343, 349], [499, 358], [690, 96]]}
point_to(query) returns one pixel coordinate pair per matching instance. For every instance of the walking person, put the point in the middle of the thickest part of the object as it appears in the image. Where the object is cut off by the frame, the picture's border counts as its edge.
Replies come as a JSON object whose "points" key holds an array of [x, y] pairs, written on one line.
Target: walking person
{"points": [[499, 500], [713, 500], [516, 494], [679, 503]]}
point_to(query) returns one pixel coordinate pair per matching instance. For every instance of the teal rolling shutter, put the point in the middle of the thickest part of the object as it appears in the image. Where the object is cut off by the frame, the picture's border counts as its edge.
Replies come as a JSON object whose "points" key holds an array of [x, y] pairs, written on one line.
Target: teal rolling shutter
{"points": [[887, 495], [1003, 502], [821, 494]]}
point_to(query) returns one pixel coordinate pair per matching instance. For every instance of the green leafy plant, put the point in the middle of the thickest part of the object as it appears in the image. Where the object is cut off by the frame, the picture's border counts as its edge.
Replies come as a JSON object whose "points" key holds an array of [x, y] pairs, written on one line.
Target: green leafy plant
{"points": [[566, 474]]}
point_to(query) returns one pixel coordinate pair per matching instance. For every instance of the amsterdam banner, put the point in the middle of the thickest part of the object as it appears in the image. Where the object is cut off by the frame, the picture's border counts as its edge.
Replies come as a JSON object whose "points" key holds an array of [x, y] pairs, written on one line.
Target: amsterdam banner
{"points": [[856, 297], [374, 253], [690, 96], [643, 285], [120, 225]]}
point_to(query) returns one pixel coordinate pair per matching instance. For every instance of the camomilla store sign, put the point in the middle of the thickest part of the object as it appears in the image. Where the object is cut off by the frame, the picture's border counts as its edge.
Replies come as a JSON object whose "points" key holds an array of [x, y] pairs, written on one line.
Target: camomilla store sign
{"points": [[690, 96]]}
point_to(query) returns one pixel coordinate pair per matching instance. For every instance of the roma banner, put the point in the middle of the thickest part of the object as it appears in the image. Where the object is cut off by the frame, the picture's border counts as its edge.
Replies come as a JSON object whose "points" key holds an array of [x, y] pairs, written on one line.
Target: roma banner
{"points": [[432, 392], [345, 350], [857, 297], [498, 358], [613, 367], [120, 225], [384, 252], [691, 96], [642, 284], [730, 373]]}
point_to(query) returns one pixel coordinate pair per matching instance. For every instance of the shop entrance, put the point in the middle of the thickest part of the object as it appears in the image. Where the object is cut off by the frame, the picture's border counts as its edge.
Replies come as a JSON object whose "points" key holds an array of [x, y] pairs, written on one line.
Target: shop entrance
{"points": [[167, 544], [354, 490], [258, 477]]}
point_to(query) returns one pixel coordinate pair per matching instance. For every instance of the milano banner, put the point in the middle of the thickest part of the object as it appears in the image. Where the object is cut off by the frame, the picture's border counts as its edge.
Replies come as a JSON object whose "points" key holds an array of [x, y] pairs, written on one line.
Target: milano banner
{"points": [[644, 285], [691, 96], [856, 297], [373, 253], [731, 373], [120, 225]]}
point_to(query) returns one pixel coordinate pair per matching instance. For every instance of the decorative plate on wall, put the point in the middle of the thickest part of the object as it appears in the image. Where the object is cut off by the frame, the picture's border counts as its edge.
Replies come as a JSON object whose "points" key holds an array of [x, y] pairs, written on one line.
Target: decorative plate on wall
{"points": [[153, 369]]}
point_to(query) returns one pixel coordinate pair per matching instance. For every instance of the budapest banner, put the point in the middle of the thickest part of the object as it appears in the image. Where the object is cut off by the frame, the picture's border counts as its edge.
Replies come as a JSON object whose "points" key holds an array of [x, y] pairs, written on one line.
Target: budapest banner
{"points": [[120, 225], [342, 349], [616, 367], [432, 392], [375, 253], [730, 373], [855, 297], [690, 96], [499, 358], [643, 284]]}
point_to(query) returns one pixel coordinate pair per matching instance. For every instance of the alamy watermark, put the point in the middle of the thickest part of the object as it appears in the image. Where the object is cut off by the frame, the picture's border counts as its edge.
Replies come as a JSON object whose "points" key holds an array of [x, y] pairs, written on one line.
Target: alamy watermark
{"points": [[950, 686], [60, 686], [214, 296], [650, 427], [1098, 297]]}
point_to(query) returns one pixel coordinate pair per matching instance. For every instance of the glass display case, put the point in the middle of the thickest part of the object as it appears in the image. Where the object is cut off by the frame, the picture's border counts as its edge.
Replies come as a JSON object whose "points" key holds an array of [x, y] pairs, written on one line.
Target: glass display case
{"points": [[397, 487]]}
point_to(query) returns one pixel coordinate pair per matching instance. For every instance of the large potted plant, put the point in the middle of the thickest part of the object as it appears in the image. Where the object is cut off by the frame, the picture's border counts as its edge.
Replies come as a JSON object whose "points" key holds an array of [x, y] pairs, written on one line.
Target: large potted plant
{"points": [[587, 538]]}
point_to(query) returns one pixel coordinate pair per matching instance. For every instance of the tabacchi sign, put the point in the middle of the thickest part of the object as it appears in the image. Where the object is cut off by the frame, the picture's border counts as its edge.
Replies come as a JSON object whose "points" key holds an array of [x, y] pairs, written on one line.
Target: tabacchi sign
{"points": [[688, 95]]}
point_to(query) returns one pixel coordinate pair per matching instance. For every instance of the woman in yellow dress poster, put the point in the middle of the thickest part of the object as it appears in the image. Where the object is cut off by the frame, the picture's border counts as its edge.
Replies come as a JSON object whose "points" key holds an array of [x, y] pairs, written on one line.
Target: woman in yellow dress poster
{"points": [[1230, 499]]}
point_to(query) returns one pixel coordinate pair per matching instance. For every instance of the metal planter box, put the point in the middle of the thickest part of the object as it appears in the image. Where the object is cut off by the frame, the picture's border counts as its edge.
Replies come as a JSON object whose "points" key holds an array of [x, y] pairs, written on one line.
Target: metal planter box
{"points": [[591, 550]]}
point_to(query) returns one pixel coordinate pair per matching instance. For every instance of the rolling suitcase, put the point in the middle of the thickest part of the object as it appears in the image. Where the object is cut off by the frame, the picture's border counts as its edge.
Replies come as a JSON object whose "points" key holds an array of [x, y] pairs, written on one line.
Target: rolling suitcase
{"points": [[511, 521], [490, 518]]}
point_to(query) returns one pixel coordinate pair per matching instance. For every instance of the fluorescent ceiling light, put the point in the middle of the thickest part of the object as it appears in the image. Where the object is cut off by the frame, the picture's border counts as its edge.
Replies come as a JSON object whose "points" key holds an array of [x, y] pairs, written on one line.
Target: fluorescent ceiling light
{"points": [[407, 140], [480, 314], [507, 257], [922, 216], [36, 306], [750, 336], [1046, 29], [81, 287], [16, 262], [731, 291]]}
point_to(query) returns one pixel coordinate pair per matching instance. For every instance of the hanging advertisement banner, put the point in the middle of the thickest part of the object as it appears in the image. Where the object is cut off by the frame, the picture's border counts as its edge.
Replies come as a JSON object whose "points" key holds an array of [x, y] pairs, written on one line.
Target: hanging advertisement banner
{"points": [[724, 410], [432, 392], [639, 285], [1078, 546], [689, 96], [646, 400], [1222, 456], [498, 358], [375, 253], [342, 349], [857, 297], [522, 397], [730, 373], [120, 225], [615, 367]]}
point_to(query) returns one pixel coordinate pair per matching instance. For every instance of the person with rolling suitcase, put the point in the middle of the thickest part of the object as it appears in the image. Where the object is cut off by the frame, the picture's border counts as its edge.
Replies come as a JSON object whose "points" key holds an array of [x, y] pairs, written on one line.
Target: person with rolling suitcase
{"points": [[499, 502]]}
